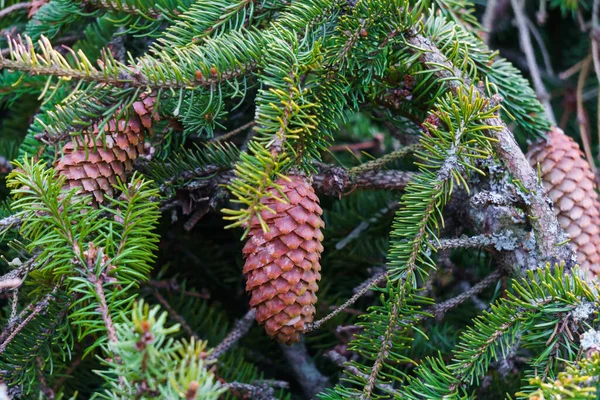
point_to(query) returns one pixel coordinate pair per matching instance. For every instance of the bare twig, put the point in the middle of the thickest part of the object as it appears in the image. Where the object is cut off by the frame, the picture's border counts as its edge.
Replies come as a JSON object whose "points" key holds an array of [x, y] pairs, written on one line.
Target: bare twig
{"points": [[234, 132], [259, 390], [172, 284], [438, 310], [70, 369], [239, 330], [10, 222], [595, 33], [11, 331], [342, 361], [307, 374], [174, 314], [15, 7], [104, 311], [583, 119], [359, 291], [526, 46], [541, 46], [487, 21], [11, 283]]}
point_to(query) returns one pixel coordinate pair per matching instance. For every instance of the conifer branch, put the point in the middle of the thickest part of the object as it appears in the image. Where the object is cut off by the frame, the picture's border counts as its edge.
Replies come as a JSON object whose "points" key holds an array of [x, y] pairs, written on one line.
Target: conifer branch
{"points": [[551, 238]]}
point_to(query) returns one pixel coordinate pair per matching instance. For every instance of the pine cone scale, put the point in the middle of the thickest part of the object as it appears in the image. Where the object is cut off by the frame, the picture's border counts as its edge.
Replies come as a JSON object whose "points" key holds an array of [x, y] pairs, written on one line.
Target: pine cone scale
{"points": [[282, 265], [93, 165]]}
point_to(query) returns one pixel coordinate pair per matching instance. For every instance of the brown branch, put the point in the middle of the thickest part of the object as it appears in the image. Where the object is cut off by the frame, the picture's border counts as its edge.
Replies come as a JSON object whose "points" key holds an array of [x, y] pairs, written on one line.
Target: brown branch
{"points": [[258, 390], [172, 284], [12, 221], [240, 329], [551, 241], [104, 311], [120, 6], [174, 314], [439, 310], [234, 132], [527, 47], [308, 376], [11, 331], [595, 35], [583, 120], [15, 7]]}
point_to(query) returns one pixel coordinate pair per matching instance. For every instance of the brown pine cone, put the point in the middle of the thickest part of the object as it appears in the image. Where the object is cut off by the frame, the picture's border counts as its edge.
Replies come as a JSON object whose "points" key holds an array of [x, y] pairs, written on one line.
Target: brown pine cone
{"points": [[93, 167], [569, 181], [282, 265]]}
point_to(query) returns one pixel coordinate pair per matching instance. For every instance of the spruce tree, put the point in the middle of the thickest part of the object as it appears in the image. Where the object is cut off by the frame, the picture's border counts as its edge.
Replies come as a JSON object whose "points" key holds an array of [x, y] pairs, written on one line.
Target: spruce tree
{"points": [[288, 199]]}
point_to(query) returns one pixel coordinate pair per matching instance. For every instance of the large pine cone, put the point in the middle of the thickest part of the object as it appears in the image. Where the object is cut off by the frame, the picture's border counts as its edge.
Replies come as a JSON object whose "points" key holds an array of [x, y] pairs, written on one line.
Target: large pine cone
{"points": [[94, 167], [569, 181], [282, 265]]}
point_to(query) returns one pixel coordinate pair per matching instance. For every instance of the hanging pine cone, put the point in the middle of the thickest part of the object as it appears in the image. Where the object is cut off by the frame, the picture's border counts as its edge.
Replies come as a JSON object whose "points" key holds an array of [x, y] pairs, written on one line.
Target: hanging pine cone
{"points": [[282, 265], [569, 181], [94, 167]]}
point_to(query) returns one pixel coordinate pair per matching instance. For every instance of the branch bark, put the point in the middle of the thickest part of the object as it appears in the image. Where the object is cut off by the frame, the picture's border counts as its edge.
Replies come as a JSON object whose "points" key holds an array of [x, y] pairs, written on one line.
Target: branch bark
{"points": [[551, 241]]}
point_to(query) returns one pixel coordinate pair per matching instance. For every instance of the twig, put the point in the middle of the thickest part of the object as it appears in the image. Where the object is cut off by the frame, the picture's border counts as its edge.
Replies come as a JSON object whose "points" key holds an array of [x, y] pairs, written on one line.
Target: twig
{"points": [[5, 166], [583, 120], [174, 314], [36, 309], [172, 284], [59, 382], [342, 361], [500, 241], [239, 330], [10, 222], [104, 311], [234, 132], [595, 56], [307, 374], [438, 310], [569, 72], [542, 47], [258, 390], [487, 21], [378, 163], [46, 390], [359, 291], [11, 283], [15, 7], [526, 46]]}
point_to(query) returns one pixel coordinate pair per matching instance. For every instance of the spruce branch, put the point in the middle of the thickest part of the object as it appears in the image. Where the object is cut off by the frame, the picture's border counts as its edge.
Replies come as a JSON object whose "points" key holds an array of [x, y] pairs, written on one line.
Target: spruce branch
{"points": [[525, 40], [551, 237]]}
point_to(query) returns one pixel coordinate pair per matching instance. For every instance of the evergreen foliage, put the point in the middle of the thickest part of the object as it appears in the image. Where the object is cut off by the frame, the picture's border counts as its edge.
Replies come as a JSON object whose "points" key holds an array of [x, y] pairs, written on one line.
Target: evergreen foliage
{"points": [[444, 275]]}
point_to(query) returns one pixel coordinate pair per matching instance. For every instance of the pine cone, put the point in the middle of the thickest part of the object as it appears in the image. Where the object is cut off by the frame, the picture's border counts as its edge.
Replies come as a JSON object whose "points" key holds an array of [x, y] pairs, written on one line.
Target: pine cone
{"points": [[93, 167], [282, 265], [569, 181]]}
